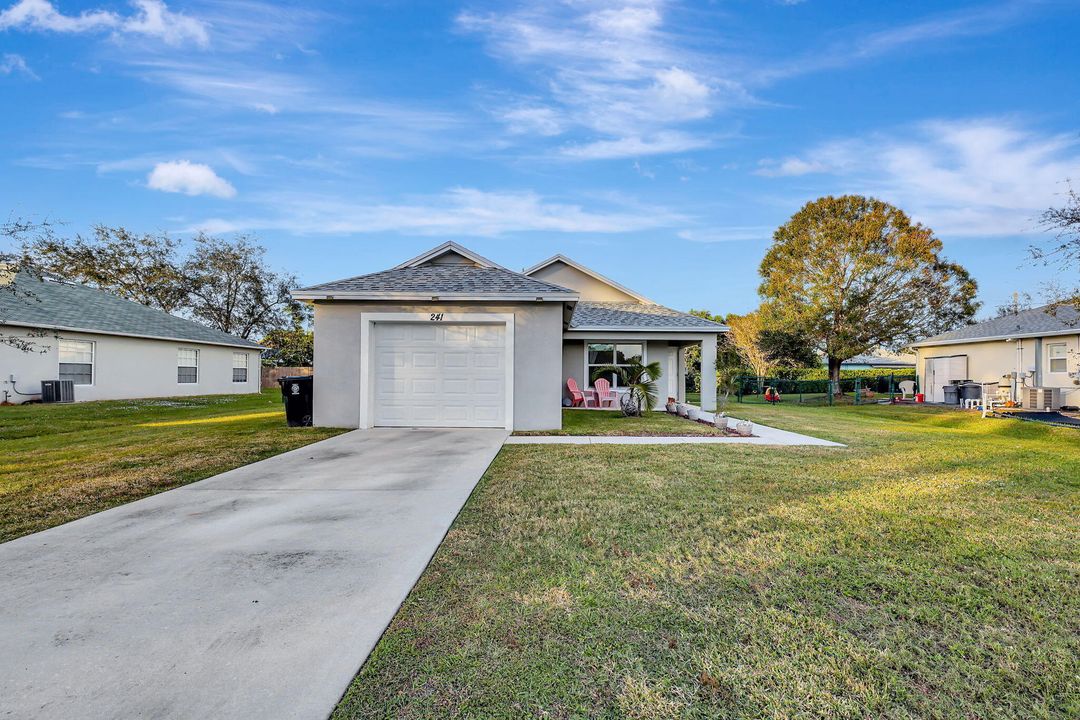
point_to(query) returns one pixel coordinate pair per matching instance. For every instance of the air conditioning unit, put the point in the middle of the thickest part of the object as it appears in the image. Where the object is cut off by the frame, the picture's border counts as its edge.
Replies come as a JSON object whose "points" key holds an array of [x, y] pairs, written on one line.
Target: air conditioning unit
{"points": [[57, 391], [1047, 398]]}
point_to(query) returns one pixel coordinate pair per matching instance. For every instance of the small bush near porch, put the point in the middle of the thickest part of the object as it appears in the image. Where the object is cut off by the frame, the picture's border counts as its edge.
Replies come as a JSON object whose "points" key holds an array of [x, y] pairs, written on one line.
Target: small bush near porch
{"points": [[927, 571]]}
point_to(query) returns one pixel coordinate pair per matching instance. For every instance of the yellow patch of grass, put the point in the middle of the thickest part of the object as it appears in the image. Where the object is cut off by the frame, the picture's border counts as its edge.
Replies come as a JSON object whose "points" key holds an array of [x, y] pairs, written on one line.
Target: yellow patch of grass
{"points": [[212, 420]]}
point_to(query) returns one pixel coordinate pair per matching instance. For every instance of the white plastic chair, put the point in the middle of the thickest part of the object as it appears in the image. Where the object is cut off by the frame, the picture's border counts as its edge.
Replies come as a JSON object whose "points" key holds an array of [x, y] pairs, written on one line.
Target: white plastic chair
{"points": [[907, 387]]}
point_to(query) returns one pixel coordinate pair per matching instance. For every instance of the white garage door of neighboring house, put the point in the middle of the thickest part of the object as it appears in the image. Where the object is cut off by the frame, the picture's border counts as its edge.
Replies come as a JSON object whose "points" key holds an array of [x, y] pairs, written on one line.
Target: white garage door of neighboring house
{"points": [[941, 371], [439, 375]]}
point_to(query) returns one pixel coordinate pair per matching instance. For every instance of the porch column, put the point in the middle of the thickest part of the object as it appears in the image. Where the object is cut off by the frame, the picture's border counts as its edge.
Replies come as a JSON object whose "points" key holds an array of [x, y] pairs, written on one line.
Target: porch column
{"points": [[708, 373]]}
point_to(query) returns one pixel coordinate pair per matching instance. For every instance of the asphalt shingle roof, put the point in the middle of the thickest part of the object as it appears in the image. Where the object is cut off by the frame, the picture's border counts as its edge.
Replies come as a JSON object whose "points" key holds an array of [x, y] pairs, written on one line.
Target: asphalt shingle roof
{"points": [[634, 315], [62, 305], [1025, 322], [438, 279]]}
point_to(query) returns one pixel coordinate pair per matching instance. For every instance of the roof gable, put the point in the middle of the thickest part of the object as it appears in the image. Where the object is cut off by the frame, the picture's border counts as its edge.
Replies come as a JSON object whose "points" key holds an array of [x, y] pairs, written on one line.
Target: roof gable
{"points": [[446, 272], [449, 253], [590, 284]]}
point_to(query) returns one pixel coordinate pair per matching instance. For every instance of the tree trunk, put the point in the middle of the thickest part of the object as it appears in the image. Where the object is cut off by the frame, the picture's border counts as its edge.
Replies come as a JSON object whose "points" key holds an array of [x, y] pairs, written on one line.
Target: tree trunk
{"points": [[834, 373]]}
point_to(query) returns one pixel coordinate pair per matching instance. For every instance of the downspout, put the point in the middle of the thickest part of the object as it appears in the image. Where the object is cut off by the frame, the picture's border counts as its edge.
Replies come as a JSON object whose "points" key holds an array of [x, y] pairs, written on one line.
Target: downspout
{"points": [[1019, 374], [1038, 379]]}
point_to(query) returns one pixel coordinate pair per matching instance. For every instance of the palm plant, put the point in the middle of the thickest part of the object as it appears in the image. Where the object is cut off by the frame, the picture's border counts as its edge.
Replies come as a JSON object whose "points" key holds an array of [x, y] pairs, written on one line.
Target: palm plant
{"points": [[638, 380]]}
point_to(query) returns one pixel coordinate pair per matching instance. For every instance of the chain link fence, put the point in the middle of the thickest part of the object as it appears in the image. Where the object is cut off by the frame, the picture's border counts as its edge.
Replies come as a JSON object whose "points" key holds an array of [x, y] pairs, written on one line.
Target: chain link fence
{"points": [[849, 391]]}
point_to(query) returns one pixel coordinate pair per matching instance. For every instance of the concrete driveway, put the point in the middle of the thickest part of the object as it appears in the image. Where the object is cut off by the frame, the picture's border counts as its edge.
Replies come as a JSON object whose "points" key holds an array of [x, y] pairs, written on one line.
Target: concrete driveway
{"points": [[257, 593]]}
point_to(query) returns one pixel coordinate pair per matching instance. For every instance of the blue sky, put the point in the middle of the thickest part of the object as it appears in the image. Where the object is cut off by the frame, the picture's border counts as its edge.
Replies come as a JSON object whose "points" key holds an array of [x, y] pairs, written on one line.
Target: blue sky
{"points": [[658, 142]]}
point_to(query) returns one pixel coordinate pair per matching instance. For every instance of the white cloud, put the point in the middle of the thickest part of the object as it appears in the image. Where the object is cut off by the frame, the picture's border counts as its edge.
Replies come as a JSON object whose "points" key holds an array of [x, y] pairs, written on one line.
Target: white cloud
{"points": [[735, 233], [610, 70], [182, 176], [11, 63], [458, 211], [960, 177], [41, 15], [926, 33], [526, 120], [152, 18], [658, 144]]}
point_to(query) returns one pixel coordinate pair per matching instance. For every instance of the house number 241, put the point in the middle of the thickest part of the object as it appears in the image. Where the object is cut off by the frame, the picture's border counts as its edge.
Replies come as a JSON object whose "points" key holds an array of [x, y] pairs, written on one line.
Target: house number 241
{"points": [[436, 317]]}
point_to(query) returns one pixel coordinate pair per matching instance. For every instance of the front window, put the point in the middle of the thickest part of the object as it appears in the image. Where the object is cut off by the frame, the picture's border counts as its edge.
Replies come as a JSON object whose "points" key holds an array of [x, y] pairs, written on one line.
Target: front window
{"points": [[187, 366], [1058, 358], [617, 354], [77, 361], [239, 367]]}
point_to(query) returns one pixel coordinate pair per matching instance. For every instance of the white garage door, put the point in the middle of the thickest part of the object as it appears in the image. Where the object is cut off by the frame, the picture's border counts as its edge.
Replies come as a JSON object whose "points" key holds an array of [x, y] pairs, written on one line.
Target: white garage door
{"points": [[440, 375]]}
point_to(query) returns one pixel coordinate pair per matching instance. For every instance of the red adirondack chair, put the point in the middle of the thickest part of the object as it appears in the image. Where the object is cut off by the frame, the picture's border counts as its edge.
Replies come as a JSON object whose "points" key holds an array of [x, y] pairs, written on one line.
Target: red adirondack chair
{"points": [[577, 397], [604, 393]]}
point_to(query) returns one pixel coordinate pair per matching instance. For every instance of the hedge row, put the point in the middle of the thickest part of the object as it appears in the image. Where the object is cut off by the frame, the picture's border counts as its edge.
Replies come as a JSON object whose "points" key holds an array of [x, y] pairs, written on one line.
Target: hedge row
{"points": [[873, 373]]}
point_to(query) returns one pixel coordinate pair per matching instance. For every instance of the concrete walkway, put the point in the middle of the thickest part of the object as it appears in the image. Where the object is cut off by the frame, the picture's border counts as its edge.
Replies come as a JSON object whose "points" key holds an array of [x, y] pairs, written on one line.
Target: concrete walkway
{"points": [[762, 435], [257, 593]]}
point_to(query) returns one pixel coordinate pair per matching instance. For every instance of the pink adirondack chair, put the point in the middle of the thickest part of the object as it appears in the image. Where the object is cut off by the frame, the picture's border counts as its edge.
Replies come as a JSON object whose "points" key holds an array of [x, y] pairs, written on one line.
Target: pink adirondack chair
{"points": [[604, 393], [577, 397]]}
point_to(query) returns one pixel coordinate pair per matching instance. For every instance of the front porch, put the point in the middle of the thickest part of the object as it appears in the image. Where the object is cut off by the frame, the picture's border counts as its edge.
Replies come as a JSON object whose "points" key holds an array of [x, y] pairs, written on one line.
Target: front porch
{"points": [[584, 355]]}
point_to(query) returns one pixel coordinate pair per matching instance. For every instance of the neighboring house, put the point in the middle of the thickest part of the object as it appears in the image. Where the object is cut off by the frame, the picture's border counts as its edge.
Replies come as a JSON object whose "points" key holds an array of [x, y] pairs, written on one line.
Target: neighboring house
{"points": [[113, 348], [1035, 348], [450, 339]]}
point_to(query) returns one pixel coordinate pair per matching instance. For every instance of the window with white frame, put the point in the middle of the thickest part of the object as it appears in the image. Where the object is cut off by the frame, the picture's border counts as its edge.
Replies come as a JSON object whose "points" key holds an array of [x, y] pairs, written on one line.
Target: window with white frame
{"points": [[77, 361], [187, 365], [1058, 357], [239, 367], [612, 354]]}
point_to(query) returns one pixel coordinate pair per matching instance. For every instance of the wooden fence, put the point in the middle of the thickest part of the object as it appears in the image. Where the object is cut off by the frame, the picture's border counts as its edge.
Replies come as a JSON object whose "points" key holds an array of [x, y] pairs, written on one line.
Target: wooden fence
{"points": [[270, 375]]}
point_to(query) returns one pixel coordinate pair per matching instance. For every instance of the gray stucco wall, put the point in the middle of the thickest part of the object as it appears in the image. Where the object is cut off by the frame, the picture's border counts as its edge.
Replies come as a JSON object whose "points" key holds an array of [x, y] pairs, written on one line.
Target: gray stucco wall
{"points": [[537, 358], [573, 365], [125, 367]]}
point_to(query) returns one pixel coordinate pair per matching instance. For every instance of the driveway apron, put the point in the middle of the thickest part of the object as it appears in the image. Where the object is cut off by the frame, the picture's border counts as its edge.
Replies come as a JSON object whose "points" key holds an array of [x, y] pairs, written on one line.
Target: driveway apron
{"points": [[257, 593]]}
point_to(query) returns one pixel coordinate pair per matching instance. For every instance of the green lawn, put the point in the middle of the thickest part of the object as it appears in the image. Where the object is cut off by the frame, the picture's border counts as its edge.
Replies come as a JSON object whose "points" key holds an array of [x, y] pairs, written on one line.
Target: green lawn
{"points": [[930, 570], [61, 462], [613, 422]]}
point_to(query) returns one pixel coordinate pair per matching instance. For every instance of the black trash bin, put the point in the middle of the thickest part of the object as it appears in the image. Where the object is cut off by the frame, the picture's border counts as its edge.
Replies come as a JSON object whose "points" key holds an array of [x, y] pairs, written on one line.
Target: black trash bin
{"points": [[952, 394], [296, 394], [970, 391]]}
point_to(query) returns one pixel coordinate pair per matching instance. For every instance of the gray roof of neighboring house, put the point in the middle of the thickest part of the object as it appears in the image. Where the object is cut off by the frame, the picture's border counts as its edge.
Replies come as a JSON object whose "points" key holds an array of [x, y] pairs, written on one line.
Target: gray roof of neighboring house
{"points": [[1026, 323], [434, 279], [629, 315], [77, 307], [879, 361]]}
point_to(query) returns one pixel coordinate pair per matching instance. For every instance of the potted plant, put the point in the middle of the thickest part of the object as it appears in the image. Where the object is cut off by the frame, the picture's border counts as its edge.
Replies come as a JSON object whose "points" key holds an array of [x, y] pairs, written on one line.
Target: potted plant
{"points": [[639, 382], [672, 405], [694, 413], [744, 428], [683, 410]]}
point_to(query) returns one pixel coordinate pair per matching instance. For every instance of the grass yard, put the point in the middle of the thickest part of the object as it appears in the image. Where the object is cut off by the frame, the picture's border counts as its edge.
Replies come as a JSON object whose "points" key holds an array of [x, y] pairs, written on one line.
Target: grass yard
{"points": [[613, 422], [930, 570], [62, 462]]}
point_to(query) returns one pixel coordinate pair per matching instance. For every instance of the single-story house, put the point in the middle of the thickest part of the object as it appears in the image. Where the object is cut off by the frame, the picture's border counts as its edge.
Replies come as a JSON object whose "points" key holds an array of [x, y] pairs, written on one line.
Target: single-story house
{"points": [[451, 339], [1032, 348], [112, 348]]}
